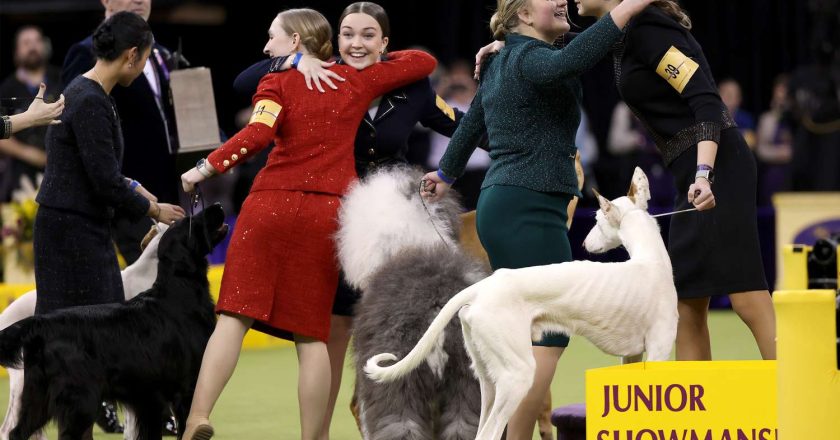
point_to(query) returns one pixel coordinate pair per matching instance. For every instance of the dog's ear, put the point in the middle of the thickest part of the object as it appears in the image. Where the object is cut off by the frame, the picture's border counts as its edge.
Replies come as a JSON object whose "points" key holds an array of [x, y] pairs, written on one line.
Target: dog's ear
{"points": [[609, 210], [153, 232], [639, 189]]}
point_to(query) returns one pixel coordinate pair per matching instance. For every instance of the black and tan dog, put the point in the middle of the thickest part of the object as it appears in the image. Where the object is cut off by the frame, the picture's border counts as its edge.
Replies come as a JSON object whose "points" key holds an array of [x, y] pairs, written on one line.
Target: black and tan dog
{"points": [[144, 353]]}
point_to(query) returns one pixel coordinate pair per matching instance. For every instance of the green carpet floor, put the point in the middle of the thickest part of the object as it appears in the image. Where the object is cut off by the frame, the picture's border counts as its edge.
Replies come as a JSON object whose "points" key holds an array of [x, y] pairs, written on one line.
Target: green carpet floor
{"points": [[261, 400]]}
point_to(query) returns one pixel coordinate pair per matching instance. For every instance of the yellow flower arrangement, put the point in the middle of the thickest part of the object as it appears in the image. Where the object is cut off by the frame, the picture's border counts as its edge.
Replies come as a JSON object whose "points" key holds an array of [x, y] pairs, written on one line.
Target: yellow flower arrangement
{"points": [[24, 224], [18, 227], [19, 215]]}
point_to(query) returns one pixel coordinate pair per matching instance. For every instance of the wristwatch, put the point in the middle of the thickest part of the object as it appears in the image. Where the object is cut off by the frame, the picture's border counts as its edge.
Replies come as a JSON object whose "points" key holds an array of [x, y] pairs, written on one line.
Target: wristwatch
{"points": [[201, 166], [706, 172]]}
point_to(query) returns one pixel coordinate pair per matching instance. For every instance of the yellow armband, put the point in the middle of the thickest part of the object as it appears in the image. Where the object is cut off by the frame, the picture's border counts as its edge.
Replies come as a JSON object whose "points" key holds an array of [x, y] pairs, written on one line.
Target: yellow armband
{"points": [[676, 68], [266, 112]]}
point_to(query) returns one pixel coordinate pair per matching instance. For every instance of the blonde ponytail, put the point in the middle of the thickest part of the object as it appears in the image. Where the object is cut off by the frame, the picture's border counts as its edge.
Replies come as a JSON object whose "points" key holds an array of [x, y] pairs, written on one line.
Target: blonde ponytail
{"points": [[506, 17], [314, 30]]}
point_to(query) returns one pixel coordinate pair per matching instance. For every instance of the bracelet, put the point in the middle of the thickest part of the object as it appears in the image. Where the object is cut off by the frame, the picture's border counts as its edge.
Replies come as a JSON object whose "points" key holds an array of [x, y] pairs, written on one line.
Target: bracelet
{"points": [[6, 130], [296, 60], [134, 184], [446, 179]]}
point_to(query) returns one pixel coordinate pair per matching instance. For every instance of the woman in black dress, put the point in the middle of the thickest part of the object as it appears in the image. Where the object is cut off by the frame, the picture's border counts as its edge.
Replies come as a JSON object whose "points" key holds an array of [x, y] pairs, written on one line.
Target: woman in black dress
{"points": [[75, 261], [663, 76]]}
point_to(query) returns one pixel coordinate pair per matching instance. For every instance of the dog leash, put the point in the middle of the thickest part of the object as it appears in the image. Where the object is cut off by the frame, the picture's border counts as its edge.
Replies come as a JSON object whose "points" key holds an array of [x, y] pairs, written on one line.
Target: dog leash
{"points": [[674, 212], [431, 218], [195, 197], [198, 197]]}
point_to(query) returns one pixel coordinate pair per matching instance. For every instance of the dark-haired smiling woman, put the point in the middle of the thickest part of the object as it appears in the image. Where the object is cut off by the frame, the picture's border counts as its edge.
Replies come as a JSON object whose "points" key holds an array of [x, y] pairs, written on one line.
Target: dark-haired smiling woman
{"points": [[83, 185]]}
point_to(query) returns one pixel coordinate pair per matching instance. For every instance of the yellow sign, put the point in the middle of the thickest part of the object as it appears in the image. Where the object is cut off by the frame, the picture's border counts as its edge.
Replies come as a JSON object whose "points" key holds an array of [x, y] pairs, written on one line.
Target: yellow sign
{"points": [[266, 112], [676, 68], [721, 400], [808, 378]]}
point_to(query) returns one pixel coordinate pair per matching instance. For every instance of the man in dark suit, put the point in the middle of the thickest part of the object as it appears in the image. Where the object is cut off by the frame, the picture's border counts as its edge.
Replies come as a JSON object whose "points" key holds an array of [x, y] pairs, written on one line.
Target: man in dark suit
{"points": [[147, 120], [148, 125]]}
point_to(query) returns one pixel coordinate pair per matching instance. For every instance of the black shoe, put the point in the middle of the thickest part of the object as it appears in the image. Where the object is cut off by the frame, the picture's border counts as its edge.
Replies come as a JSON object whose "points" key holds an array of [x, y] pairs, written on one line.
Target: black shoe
{"points": [[170, 427], [107, 419]]}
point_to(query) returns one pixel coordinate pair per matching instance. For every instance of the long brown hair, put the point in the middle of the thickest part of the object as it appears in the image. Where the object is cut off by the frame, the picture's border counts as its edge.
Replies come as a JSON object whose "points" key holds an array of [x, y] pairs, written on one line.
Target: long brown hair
{"points": [[314, 30], [673, 9]]}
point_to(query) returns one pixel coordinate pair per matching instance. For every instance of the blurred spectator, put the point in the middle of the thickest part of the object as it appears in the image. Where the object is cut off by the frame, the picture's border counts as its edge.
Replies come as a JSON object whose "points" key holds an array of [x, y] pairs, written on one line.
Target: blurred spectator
{"points": [[147, 120], [814, 91], [631, 146], [23, 154], [775, 144], [457, 88], [730, 93], [588, 147]]}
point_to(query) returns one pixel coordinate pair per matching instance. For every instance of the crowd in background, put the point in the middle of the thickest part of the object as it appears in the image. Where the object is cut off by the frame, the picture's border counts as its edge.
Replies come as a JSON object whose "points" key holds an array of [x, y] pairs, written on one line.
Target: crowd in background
{"points": [[796, 140]]}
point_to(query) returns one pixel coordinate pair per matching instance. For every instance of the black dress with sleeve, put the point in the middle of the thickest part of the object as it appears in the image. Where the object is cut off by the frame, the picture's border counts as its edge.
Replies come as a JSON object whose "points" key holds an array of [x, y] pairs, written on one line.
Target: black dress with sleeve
{"points": [[75, 261], [664, 78]]}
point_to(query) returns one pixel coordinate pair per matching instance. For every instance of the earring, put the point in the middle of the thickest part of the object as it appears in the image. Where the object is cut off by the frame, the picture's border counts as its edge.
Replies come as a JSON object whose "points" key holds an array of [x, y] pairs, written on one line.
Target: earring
{"points": [[130, 64]]}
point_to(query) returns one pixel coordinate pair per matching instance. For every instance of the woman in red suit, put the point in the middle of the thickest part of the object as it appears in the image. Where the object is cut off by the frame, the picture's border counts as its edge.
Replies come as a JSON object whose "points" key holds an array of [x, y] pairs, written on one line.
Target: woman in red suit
{"points": [[281, 271]]}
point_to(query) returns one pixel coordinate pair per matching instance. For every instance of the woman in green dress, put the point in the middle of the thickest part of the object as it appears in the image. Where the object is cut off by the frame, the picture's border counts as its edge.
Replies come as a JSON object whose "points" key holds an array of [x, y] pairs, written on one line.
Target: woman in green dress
{"points": [[528, 103]]}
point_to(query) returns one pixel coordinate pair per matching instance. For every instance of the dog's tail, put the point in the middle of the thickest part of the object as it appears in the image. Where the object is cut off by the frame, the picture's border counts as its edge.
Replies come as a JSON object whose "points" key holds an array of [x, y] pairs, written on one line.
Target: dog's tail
{"points": [[11, 343], [424, 346]]}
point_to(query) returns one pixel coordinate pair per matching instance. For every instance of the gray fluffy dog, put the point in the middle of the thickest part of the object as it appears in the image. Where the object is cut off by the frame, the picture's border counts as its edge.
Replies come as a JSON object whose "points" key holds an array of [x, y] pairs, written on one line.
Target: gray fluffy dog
{"points": [[405, 258]]}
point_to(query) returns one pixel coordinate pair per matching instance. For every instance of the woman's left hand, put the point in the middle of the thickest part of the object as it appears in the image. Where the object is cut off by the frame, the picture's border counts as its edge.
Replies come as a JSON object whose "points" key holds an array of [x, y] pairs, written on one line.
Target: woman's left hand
{"points": [[700, 194], [485, 52], [190, 178], [43, 113], [315, 70]]}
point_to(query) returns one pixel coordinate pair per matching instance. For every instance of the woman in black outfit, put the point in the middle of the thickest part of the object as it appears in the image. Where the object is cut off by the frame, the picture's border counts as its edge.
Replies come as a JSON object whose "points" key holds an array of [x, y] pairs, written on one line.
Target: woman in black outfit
{"points": [[663, 76], [75, 262]]}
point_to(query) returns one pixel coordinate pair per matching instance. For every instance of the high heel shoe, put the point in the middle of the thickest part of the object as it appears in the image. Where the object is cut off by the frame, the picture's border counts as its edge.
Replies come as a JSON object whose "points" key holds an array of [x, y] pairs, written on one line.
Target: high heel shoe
{"points": [[200, 431]]}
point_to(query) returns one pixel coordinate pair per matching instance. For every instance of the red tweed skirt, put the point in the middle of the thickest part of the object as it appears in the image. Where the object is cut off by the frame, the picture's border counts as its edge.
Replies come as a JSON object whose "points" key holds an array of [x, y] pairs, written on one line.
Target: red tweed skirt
{"points": [[281, 267]]}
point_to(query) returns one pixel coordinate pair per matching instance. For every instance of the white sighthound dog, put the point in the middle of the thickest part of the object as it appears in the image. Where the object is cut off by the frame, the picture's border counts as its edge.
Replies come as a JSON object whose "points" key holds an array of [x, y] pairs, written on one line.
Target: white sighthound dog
{"points": [[136, 278], [623, 308]]}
